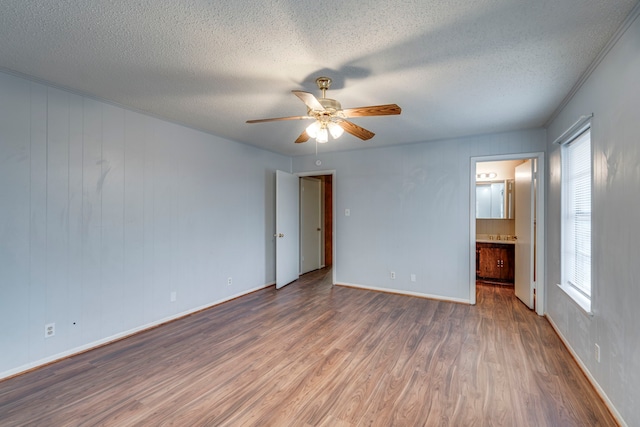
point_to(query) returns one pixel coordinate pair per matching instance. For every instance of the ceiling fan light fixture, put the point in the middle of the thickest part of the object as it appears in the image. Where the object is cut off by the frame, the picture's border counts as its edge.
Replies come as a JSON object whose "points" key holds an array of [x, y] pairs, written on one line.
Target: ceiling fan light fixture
{"points": [[322, 136], [313, 128], [335, 129]]}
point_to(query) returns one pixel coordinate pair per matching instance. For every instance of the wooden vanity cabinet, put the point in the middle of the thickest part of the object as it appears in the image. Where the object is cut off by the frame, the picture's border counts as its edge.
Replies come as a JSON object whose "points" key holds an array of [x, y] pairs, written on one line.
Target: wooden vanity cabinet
{"points": [[495, 261]]}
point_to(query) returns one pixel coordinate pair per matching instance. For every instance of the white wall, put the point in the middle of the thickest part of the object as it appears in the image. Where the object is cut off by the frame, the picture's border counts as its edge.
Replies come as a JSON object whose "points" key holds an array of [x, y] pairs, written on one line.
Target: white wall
{"points": [[504, 169], [612, 94], [104, 212], [410, 210]]}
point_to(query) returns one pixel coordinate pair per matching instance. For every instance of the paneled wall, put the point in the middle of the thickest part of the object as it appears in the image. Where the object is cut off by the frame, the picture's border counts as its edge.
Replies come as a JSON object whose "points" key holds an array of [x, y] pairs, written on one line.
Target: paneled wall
{"points": [[612, 94], [409, 211], [105, 213]]}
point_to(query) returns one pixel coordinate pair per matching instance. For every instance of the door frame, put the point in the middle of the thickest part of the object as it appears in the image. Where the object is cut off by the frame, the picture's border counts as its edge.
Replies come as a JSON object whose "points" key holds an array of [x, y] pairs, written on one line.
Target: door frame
{"points": [[331, 172], [316, 241], [539, 242]]}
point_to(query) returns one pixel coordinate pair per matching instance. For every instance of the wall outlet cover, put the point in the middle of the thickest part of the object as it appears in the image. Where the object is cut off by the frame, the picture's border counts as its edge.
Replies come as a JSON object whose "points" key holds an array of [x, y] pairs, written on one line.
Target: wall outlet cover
{"points": [[49, 330]]}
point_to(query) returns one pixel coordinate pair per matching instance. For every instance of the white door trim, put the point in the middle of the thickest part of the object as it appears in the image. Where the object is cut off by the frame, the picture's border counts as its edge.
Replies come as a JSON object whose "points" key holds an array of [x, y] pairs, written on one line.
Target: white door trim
{"points": [[331, 172], [540, 224], [311, 238]]}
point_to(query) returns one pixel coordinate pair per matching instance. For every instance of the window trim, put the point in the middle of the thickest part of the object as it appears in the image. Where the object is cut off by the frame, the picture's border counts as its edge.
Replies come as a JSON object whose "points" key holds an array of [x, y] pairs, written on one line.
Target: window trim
{"points": [[584, 302]]}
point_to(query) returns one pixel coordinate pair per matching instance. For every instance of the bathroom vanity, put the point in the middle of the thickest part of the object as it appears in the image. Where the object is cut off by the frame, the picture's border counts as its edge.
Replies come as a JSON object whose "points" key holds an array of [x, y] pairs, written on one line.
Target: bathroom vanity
{"points": [[495, 261]]}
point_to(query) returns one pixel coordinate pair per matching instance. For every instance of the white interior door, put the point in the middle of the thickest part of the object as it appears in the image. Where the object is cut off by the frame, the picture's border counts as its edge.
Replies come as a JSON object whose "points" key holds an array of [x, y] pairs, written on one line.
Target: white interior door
{"points": [[287, 228], [310, 224], [524, 216]]}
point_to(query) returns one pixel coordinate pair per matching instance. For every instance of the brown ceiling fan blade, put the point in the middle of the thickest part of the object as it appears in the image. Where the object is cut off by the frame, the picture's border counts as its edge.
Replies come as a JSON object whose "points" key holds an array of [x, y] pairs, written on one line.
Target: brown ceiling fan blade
{"points": [[374, 110], [309, 100], [277, 119], [356, 130], [304, 137]]}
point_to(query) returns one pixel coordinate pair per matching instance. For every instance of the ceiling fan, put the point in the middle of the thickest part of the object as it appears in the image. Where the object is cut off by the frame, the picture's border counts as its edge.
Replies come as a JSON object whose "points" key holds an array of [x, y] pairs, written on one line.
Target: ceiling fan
{"points": [[330, 117]]}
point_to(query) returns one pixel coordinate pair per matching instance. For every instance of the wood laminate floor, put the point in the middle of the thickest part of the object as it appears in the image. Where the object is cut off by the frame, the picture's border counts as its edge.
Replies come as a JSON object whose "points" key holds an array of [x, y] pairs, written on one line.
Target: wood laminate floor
{"points": [[312, 354]]}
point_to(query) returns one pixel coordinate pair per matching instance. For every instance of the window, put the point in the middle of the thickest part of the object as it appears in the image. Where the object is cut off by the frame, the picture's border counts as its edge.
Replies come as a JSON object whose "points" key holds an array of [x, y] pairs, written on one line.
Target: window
{"points": [[576, 218]]}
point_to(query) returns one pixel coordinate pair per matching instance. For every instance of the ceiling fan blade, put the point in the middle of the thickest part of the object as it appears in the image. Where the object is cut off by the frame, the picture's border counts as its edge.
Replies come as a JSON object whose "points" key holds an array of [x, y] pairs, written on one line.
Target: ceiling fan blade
{"points": [[304, 137], [356, 130], [309, 100], [374, 110], [277, 119]]}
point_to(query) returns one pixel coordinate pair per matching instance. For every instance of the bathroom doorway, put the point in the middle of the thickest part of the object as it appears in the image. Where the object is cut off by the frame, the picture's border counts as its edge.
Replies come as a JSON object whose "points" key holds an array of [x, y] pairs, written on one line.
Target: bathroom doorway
{"points": [[507, 224]]}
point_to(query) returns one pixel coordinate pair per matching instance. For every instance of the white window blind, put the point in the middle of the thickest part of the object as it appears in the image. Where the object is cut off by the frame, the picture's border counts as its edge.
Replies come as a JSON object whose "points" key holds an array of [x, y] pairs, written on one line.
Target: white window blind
{"points": [[576, 213]]}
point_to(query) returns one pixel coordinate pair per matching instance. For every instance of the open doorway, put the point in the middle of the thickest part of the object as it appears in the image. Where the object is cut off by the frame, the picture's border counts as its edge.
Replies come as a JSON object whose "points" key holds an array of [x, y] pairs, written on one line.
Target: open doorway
{"points": [[316, 222], [507, 225], [287, 230], [326, 234]]}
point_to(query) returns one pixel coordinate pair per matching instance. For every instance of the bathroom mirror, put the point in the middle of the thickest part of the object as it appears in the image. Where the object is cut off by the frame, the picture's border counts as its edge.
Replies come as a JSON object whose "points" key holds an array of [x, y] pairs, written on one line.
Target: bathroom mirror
{"points": [[494, 200]]}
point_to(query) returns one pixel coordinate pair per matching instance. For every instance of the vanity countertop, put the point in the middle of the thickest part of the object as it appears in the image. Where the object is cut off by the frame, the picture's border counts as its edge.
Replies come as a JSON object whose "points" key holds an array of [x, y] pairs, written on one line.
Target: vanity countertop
{"points": [[486, 238]]}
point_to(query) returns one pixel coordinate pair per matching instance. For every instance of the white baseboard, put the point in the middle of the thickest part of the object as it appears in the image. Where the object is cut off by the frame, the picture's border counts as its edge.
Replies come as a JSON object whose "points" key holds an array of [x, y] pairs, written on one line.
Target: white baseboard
{"points": [[408, 293], [587, 373], [121, 335]]}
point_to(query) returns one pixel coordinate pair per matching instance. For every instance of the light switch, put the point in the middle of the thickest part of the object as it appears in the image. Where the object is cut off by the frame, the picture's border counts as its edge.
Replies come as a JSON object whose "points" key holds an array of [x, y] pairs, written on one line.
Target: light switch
{"points": [[347, 212]]}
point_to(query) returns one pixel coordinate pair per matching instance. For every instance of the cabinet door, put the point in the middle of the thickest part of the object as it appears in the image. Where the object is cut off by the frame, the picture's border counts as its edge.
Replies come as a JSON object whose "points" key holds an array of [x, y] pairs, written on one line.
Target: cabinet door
{"points": [[508, 262], [495, 261], [489, 264]]}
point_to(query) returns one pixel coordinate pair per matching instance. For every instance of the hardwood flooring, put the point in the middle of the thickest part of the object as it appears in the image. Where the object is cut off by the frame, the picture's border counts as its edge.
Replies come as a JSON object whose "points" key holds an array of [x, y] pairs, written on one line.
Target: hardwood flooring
{"points": [[312, 354]]}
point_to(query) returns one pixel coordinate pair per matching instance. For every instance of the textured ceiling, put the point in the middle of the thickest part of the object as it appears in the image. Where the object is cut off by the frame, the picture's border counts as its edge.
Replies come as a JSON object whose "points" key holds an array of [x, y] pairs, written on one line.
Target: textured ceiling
{"points": [[455, 67]]}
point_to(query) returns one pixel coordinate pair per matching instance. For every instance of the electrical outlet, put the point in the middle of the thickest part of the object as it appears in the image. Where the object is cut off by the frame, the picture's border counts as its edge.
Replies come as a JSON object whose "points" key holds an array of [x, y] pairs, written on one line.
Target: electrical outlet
{"points": [[49, 330], [229, 281], [173, 296], [413, 277], [393, 274], [597, 353]]}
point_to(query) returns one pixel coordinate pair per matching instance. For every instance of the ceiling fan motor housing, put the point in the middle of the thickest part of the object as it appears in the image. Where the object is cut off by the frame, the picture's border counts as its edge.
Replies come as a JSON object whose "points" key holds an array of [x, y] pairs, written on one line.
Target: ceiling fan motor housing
{"points": [[330, 105]]}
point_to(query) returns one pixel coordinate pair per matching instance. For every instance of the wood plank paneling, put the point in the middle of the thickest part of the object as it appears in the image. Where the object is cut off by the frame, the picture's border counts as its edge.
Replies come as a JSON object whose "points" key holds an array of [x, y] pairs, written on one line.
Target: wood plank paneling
{"points": [[105, 212], [15, 202], [38, 280], [316, 354]]}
